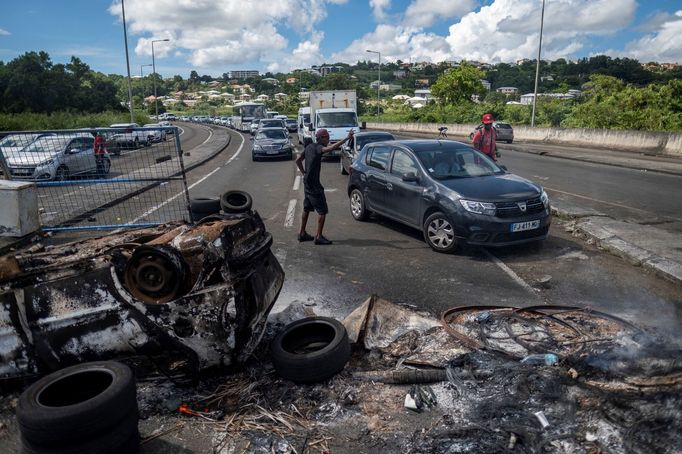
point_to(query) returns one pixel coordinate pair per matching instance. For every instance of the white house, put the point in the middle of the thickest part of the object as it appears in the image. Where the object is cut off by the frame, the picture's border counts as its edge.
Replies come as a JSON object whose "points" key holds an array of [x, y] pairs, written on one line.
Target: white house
{"points": [[423, 93], [262, 98]]}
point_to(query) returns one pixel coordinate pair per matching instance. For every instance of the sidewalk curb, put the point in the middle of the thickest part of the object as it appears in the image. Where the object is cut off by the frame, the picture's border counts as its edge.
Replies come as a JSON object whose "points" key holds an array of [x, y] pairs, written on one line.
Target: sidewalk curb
{"points": [[610, 242]]}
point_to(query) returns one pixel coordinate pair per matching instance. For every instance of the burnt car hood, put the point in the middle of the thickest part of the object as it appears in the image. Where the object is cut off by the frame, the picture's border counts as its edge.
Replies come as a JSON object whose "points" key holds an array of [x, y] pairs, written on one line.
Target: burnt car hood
{"points": [[193, 296], [493, 188]]}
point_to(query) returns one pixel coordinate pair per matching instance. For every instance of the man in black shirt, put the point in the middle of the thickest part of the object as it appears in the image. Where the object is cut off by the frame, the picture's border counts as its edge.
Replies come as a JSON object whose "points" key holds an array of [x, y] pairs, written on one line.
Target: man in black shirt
{"points": [[313, 189]]}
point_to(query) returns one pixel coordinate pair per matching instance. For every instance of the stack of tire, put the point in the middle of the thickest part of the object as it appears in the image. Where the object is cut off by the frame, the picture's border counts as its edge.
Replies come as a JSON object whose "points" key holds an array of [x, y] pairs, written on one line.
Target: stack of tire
{"points": [[231, 202], [90, 408]]}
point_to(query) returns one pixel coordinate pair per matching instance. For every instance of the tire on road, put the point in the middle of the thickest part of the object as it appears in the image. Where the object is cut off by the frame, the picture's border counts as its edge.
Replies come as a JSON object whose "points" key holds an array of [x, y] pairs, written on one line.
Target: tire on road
{"points": [[204, 206], [310, 350], [358, 206], [439, 233], [81, 402], [236, 201]]}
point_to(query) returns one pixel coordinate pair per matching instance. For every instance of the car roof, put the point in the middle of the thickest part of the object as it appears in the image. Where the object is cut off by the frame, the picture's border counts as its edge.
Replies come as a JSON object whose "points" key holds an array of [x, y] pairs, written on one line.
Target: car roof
{"points": [[270, 129], [419, 145], [372, 133]]}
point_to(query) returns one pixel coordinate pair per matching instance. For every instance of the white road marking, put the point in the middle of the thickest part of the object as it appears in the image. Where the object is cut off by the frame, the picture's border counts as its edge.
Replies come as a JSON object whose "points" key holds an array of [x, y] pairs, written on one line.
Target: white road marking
{"points": [[210, 134], [515, 277], [291, 212], [297, 182], [201, 180]]}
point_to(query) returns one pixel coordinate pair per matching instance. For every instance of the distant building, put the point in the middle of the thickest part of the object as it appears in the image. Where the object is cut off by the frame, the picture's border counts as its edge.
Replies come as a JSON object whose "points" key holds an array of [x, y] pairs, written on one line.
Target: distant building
{"points": [[262, 98], [571, 94], [424, 94], [291, 80], [243, 74], [486, 84], [422, 83], [271, 80], [325, 70], [281, 96], [390, 87], [508, 91], [400, 74]]}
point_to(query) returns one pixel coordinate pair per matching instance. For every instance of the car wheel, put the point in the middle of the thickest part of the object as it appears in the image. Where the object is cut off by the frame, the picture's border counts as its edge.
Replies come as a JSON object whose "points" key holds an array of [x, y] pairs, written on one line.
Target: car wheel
{"points": [[204, 206], [343, 169], [439, 233], [358, 207], [62, 173], [311, 350], [81, 402], [236, 201]]}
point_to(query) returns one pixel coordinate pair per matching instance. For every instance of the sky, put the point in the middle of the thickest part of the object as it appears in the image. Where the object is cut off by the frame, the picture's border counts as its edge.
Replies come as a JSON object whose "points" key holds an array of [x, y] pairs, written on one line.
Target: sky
{"points": [[216, 36]]}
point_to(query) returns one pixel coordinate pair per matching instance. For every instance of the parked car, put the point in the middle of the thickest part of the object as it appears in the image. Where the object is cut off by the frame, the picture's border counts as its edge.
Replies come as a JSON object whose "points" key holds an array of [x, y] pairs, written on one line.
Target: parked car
{"points": [[505, 131], [129, 136], [272, 143], [350, 150], [18, 141], [156, 132], [291, 124], [451, 192], [272, 123], [58, 157]]}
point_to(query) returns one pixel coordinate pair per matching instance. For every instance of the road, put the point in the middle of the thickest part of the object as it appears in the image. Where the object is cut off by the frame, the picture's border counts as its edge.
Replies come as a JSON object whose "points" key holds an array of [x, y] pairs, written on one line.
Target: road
{"points": [[385, 258]]}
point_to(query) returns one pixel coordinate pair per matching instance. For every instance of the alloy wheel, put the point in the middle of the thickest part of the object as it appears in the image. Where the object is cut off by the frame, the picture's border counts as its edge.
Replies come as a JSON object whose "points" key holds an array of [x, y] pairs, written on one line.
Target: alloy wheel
{"points": [[440, 233]]}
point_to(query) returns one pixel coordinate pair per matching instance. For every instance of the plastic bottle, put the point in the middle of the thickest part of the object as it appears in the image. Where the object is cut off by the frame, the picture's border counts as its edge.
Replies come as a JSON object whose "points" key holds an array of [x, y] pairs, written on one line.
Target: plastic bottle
{"points": [[548, 359]]}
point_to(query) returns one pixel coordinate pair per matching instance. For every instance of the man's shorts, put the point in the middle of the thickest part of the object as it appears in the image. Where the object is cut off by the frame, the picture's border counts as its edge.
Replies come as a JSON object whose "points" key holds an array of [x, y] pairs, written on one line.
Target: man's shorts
{"points": [[315, 201]]}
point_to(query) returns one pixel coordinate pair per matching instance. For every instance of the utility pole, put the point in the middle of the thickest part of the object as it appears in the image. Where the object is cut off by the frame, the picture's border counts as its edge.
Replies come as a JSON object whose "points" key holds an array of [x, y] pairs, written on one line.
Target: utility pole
{"points": [[537, 66], [130, 85], [156, 102], [379, 86]]}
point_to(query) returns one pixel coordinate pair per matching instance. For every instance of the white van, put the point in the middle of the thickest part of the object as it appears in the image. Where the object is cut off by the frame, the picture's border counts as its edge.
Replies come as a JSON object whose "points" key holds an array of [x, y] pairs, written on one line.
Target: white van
{"points": [[304, 124]]}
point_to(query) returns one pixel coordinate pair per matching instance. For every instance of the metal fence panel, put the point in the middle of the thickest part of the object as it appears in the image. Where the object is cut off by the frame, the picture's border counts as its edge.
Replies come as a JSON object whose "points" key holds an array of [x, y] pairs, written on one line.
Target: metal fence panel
{"points": [[105, 178]]}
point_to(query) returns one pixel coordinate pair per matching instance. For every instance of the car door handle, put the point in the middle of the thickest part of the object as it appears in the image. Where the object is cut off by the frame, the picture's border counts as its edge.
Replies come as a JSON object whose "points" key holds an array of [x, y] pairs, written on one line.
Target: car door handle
{"points": [[389, 186]]}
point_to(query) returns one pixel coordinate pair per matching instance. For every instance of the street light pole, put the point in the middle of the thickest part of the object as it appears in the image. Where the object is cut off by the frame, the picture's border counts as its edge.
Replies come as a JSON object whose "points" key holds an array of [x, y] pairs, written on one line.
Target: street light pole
{"points": [[130, 85], [156, 102], [537, 66], [142, 79], [379, 86]]}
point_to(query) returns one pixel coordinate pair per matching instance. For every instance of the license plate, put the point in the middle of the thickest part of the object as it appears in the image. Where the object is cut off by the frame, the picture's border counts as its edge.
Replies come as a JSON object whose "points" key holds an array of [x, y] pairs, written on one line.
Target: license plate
{"points": [[272, 151], [522, 226]]}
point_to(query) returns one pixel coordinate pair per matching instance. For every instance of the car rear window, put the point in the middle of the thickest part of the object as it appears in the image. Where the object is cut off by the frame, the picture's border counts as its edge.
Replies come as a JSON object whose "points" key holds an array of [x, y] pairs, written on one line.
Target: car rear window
{"points": [[378, 157], [503, 126]]}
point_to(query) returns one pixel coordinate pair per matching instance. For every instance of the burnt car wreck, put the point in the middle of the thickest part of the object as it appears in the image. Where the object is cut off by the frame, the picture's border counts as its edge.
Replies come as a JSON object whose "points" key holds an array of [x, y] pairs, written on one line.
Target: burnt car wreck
{"points": [[188, 297]]}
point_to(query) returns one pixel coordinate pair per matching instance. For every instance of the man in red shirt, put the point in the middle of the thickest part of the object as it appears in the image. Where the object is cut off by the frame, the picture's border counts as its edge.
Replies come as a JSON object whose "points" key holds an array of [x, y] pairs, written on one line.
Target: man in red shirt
{"points": [[485, 139], [100, 149]]}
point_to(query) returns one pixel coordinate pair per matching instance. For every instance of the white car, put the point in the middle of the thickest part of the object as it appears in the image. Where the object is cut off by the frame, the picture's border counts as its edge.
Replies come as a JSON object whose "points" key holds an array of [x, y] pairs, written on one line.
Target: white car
{"points": [[130, 136], [156, 132], [58, 157]]}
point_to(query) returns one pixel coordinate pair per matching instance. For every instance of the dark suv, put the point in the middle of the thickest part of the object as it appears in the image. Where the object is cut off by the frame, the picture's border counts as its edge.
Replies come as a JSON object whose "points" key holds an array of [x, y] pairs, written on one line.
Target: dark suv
{"points": [[448, 190]]}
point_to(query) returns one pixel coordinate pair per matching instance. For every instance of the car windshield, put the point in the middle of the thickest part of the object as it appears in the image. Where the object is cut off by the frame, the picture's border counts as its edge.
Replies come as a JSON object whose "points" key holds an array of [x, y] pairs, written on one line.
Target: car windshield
{"points": [[275, 134], [361, 141], [306, 119], [257, 111], [48, 145], [16, 140], [336, 120], [271, 123], [503, 126], [447, 163]]}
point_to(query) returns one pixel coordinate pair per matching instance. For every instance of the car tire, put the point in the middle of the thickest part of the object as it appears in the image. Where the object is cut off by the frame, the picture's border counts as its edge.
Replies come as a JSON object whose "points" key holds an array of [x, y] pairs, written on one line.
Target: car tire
{"points": [[77, 403], [311, 350], [136, 143], [204, 206], [439, 233], [62, 173], [106, 167], [358, 205], [121, 438], [343, 169], [236, 202]]}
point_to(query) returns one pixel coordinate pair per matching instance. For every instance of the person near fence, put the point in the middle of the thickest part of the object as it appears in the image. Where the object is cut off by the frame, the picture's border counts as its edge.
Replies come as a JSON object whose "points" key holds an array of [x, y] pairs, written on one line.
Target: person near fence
{"points": [[100, 150], [485, 139], [313, 189]]}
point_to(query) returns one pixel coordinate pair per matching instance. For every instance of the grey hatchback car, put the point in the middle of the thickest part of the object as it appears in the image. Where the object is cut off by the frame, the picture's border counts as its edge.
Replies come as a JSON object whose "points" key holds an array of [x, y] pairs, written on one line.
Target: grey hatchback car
{"points": [[451, 192]]}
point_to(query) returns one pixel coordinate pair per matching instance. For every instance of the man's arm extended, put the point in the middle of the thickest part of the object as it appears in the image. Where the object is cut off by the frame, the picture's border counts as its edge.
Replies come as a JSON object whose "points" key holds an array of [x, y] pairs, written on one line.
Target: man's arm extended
{"points": [[337, 145]]}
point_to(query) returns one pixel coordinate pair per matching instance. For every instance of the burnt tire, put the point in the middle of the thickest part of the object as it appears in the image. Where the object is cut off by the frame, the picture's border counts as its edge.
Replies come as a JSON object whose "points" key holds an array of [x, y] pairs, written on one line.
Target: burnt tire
{"points": [[204, 206], [123, 438], [80, 402], [236, 202], [310, 350]]}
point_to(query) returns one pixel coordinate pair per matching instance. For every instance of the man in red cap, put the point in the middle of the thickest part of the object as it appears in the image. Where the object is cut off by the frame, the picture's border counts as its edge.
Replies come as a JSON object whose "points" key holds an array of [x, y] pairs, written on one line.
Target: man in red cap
{"points": [[485, 139], [313, 189]]}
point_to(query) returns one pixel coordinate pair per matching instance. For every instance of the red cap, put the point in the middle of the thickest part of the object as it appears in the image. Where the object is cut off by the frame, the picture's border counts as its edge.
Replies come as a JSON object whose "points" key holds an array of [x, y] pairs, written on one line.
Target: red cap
{"points": [[487, 119]]}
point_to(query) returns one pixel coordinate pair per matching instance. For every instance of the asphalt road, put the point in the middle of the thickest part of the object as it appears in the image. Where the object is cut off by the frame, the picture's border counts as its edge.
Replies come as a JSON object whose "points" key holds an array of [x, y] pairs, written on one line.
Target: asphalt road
{"points": [[382, 257]]}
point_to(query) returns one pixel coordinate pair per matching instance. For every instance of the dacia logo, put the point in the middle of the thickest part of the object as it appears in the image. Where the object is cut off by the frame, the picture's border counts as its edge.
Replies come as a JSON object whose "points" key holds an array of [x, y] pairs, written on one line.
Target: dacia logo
{"points": [[522, 206]]}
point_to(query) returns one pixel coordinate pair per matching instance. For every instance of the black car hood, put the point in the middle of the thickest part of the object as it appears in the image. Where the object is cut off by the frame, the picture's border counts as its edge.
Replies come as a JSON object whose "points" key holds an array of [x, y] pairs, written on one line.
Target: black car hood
{"points": [[493, 188]]}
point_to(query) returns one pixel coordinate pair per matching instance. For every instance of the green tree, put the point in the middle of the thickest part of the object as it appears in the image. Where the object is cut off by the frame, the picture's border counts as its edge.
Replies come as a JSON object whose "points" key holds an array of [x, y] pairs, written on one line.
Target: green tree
{"points": [[458, 84]]}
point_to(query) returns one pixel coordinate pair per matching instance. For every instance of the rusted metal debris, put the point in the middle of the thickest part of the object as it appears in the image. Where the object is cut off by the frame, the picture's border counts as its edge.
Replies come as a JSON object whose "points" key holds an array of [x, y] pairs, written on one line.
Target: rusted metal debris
{"points": [[187, 297]]}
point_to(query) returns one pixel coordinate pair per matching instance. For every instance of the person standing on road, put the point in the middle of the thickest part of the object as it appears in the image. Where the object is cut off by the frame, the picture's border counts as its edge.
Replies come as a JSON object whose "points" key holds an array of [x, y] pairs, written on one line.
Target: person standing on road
{"points": [[485, 139], [313, 189], [99, 152]]}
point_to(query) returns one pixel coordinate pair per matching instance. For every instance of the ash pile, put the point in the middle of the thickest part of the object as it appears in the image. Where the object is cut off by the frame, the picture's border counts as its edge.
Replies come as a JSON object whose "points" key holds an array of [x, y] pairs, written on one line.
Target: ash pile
{"points": [[481, 379]]}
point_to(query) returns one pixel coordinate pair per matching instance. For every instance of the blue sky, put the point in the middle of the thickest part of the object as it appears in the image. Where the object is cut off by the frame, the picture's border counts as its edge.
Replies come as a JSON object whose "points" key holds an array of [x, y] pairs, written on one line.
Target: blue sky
{"points": [[216, 36]]}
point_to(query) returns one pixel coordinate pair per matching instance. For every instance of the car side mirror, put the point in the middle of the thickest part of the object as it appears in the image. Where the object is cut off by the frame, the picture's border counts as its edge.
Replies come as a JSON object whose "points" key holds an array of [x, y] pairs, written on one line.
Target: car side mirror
{"points": [[73, 151], [410, 177]]}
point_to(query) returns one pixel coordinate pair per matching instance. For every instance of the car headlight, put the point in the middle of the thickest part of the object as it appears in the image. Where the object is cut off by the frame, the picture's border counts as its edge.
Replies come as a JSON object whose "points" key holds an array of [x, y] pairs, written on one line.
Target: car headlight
{"points": [[46, 163], [544, 198], [257, 148], [474, 206]]}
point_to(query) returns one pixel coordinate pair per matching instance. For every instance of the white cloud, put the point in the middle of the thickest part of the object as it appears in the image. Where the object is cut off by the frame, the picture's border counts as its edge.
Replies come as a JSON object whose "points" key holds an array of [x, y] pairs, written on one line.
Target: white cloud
{"points": [[664, 45], [424, 13], [4, 32], [214, 34], [508, 30], [379, 7]]}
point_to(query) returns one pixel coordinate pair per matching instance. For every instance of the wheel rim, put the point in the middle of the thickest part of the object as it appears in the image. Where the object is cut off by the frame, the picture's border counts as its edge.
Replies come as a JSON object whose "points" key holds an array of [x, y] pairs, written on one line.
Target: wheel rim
{"points": [[356, 204], [440, 233]]}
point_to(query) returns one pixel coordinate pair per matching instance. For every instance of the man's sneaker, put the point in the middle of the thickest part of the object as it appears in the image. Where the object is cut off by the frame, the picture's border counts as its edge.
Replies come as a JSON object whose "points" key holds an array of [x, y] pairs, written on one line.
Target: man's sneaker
{"points": [[322, 240], [305, 237]]}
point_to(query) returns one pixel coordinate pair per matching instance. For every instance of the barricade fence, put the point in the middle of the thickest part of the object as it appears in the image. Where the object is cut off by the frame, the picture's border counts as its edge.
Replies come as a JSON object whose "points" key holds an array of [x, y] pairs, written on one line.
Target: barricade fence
{"points": [[102, 178]]}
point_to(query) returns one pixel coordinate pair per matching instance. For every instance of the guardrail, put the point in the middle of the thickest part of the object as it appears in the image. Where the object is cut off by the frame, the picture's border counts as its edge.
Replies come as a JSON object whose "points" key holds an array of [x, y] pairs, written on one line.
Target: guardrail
{"points": [[98, 179]]}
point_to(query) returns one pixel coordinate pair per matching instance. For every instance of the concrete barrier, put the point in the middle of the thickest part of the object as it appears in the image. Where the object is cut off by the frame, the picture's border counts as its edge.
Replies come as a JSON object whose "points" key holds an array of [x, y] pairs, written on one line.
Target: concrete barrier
{"points": [[19, 213], [663, 143]]}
